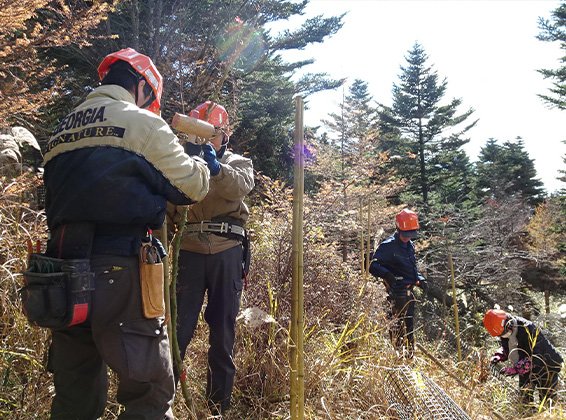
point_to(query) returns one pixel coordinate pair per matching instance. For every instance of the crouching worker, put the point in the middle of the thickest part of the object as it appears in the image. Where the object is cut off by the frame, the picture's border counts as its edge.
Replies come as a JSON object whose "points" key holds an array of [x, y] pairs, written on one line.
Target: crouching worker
{"points": [[110, 168], [394, 261], [532, 356]]}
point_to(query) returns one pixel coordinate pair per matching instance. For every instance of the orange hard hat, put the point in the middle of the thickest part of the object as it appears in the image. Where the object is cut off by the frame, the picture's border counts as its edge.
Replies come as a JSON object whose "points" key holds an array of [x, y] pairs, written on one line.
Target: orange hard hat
{"points": [[494, 322], [407, 220], [143, 65], [214, 114]]}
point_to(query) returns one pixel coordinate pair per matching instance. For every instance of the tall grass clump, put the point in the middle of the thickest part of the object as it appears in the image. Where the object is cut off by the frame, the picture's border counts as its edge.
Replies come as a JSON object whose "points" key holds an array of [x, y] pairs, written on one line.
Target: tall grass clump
{"points": [[24, 383]]}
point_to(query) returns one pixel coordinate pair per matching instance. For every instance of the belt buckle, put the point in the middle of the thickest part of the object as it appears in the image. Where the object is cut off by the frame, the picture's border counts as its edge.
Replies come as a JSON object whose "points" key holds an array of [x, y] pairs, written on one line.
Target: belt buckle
{"points": [[224, 227]]}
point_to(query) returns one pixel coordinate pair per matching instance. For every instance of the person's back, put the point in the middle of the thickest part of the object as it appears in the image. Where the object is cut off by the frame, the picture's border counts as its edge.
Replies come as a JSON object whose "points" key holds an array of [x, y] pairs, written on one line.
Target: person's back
{"points": [[112, 162], [110, 167], [528, 341]]}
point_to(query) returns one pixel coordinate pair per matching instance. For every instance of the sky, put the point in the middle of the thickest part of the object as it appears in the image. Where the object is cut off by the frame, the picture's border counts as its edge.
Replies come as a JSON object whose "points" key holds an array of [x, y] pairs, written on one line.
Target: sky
{"points": [[486, 49]]}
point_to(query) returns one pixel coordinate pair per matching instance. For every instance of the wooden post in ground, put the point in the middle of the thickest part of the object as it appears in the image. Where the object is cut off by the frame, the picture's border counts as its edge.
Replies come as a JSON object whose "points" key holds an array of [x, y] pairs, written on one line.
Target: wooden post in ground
{"points": [[362, 240], [368, 248], [455, 306], [297, 305]]}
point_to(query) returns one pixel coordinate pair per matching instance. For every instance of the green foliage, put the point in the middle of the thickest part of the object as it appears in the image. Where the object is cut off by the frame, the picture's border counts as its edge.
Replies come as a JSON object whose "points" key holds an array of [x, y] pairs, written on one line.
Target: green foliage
{"points": [[220, 51], [554, 30], [423, 135], [506, 170]]}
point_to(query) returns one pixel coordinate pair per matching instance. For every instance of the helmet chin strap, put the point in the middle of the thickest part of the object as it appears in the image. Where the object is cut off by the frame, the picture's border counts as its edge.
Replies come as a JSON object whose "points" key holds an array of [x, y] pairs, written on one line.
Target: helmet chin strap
{"points": [[220, 153], [148, 102], [150, 99], [224, 145]]}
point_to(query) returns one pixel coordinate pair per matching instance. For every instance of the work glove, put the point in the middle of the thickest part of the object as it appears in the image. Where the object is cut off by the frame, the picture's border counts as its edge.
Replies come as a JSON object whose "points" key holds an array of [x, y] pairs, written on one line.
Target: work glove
{"points": [[192, 149], [209, 156], [495, 359], [508, 371], [389, 280], [523, 366], [499, 356]]}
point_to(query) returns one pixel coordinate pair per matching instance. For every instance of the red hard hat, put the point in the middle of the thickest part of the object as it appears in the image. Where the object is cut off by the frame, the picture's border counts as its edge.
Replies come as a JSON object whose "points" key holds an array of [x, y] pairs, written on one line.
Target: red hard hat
{"points": [[494, 322], [143, 65], [407, 220], [214, 114]]}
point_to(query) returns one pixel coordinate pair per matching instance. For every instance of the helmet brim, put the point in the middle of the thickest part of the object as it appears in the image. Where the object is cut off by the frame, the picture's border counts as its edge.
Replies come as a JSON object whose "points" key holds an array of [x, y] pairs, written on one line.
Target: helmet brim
{"points": [[409, 233]]}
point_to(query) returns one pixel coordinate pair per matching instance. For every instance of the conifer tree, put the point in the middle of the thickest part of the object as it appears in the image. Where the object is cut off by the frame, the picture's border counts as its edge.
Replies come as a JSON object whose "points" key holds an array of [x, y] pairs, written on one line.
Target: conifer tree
{"points": [[221, 51], [555, 31], [506, 170], [421, 132]]}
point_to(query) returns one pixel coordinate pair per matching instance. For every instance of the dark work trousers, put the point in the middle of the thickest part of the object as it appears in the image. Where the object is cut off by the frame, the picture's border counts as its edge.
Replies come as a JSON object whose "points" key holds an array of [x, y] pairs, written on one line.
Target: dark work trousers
{"points": [[544, 379], [401, 314], [220, 276], [116, 335]]}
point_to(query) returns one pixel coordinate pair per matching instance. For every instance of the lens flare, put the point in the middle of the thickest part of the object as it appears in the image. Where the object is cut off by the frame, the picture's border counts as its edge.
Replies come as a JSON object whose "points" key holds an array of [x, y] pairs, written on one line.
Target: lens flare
{"points": [[241, 46]]}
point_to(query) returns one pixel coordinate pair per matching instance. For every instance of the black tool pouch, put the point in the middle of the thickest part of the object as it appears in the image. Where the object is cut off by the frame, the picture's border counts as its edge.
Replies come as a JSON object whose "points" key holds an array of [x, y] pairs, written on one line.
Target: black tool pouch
{"points": [[57, 292], [246, 256]]}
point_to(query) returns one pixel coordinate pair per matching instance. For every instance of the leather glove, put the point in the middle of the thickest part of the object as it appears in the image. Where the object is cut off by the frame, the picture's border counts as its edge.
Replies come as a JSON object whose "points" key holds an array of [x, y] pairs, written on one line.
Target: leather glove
{"points": [[192, 149], [209, 156]]}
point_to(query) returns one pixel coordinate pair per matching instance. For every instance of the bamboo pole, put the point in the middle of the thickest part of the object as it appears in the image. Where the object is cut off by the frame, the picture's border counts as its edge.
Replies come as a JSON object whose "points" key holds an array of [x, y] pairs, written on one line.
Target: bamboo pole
{"points": [[455, 305], [171, 269], [297, 307], [167, 277], [368, 248], [362, 251]]}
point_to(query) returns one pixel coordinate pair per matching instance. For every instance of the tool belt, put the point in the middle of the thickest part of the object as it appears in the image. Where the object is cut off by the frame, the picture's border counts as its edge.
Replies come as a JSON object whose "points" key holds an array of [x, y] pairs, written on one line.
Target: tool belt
{"points": [[58, 284], [57, 292]]}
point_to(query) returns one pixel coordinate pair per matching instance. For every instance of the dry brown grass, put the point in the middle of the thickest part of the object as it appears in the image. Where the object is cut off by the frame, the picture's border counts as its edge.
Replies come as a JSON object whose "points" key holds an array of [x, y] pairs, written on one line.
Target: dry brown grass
{"points": [[347, 352]]}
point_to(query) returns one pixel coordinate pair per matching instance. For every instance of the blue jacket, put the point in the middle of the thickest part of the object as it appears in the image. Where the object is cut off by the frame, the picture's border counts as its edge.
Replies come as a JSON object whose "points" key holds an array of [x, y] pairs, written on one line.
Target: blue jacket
{"points": [[397, 258]]}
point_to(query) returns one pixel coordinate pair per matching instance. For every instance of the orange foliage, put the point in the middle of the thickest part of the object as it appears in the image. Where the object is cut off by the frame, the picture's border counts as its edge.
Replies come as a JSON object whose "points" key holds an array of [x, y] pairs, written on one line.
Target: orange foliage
{"points": [[27, 27]]}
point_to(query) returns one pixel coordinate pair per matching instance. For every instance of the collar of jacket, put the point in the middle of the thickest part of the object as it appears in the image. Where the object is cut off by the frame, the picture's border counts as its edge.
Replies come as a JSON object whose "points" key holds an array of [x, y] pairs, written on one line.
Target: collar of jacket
{"points": [[112, 91]]}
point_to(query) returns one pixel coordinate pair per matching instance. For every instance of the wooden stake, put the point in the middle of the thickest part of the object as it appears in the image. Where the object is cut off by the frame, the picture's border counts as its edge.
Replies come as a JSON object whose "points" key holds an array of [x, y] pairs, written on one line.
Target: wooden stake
{"points": [[297, 305], [455, 306], [368, 248]]}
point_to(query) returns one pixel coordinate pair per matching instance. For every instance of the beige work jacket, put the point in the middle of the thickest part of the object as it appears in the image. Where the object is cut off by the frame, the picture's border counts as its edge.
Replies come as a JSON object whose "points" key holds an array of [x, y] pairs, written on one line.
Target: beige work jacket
{"points": [[109, 117], [225, 199]]}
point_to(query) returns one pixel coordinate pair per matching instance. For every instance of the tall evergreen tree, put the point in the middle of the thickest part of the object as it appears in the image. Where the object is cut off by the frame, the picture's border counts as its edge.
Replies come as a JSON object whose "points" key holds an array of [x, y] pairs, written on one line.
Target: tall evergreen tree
{"points": [[422, 133], [506, 170], [555, 31]]}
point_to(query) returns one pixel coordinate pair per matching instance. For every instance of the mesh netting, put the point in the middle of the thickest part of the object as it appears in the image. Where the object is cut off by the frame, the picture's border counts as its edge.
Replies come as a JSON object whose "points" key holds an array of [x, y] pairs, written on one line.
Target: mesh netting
{"points": [[412, 395]]}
